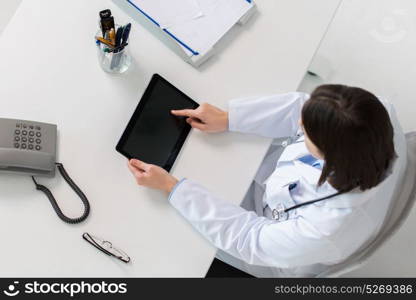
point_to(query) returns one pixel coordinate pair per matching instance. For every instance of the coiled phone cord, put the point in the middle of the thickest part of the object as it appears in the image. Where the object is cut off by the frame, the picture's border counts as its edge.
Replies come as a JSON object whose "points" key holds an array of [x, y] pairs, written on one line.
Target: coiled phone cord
{"points": [[55, 205]]}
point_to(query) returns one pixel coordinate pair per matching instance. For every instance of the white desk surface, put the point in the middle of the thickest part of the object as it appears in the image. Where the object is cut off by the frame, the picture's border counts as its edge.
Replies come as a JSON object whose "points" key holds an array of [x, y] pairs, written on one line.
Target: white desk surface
{"points": [[49, 72]]}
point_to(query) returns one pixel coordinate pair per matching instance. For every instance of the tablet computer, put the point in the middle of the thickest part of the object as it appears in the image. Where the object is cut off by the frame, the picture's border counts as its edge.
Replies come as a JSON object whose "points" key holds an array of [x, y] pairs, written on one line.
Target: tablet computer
{"points": [[153, 134]]}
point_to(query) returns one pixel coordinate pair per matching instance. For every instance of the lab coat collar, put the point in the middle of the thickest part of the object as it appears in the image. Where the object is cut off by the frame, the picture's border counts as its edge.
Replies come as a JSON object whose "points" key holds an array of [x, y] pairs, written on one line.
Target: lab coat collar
{"points": [[309, 173], [290, 156], [293, 151]]}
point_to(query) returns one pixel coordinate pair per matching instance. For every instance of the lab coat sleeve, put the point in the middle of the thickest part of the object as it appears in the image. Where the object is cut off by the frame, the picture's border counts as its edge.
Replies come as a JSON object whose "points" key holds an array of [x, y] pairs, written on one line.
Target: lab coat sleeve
{"points": [[272, 116], [243, 234]]}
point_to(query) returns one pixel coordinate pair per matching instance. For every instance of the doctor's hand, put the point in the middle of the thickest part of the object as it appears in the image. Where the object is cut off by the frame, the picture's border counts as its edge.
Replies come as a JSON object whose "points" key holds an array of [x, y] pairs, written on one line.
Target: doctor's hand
{"points": [[151, 176], [206, 118]]}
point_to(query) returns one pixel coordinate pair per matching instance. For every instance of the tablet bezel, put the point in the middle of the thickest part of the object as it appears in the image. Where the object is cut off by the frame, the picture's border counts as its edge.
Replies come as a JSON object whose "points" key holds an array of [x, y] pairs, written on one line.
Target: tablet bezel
{"points": [[142, 103]]}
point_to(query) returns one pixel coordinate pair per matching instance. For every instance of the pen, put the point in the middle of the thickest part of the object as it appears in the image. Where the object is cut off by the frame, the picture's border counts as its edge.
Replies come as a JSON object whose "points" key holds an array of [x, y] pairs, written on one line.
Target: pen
{"points": [[119, 34], [104, 41], [126, 33], [99, 44], [115, 60], [112, 35], [118, 48]]}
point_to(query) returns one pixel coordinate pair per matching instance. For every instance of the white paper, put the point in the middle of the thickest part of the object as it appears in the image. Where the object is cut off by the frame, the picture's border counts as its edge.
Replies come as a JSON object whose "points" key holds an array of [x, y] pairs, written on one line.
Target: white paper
{"points": [[170, 12], [199, 24]]}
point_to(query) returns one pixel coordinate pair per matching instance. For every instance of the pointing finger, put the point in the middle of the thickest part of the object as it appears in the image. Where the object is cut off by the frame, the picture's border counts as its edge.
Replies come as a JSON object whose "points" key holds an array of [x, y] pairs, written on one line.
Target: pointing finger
{"points": [[184, 113]]}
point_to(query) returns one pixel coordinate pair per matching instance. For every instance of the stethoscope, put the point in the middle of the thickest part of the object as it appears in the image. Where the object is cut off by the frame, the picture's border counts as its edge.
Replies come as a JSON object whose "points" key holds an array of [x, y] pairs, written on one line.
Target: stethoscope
{"points": [[282, 213]]}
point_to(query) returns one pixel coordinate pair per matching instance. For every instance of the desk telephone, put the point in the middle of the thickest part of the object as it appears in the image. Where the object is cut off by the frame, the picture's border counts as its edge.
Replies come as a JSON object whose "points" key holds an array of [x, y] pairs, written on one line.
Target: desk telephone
{"points": [[29, 148]]}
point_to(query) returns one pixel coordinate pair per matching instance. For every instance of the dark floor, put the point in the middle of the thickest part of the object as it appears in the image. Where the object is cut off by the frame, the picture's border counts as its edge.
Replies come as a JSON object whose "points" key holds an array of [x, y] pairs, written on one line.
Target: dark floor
{"points": [[219, 269]]}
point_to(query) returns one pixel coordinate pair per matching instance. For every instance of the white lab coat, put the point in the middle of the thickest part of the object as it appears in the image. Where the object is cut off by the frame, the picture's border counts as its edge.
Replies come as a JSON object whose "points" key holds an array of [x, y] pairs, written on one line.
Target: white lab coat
{"points": [[314, 236]]}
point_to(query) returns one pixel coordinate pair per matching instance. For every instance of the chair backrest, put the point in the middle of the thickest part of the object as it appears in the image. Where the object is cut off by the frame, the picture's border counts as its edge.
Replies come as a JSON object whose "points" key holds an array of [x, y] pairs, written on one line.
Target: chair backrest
{"points": [[396, 218]]}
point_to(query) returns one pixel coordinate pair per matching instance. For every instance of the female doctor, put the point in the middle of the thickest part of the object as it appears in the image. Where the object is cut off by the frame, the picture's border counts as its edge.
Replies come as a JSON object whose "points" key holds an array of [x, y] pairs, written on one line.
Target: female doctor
{"points": [[341, 146]]}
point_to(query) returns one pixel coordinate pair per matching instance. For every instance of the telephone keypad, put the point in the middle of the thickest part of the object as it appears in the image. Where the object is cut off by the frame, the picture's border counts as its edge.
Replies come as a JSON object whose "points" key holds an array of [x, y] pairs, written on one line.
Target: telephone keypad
{"points": [[24, 139]]}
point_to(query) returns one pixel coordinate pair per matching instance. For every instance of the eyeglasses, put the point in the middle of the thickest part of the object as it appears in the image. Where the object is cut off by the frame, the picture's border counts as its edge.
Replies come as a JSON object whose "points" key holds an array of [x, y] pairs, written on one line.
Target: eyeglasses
{"points": [[106, 247]]}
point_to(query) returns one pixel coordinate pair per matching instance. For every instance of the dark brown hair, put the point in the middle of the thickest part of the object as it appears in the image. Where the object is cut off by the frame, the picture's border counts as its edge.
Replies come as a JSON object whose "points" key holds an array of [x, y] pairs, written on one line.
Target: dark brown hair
{"points": [[352, 129]]}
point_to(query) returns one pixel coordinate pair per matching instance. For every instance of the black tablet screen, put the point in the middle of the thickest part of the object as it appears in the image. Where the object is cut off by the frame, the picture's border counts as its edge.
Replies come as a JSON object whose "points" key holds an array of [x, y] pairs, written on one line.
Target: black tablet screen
{"points": [[153, 134]]}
